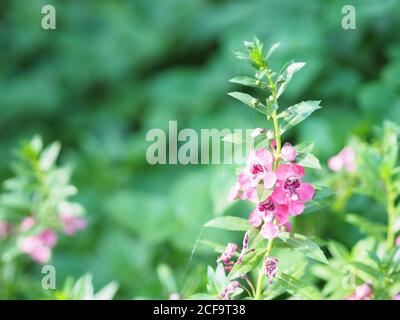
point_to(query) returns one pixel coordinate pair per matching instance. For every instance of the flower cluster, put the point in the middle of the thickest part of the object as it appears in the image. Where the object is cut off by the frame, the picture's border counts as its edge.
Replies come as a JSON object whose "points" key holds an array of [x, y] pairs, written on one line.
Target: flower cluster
{"points": [[277, 194], [36, 240]]}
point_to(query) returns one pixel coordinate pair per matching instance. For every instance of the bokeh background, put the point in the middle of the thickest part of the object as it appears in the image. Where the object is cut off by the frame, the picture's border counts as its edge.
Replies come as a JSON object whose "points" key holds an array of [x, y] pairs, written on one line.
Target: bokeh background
{"points": [[112, 70]]}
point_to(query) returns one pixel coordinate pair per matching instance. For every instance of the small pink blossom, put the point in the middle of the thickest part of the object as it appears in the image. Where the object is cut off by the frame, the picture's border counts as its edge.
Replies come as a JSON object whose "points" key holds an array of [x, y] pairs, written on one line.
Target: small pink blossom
{"points": [[288, 152], [345, 159], [27, 223], [5, 229], [255, 218], [363, 292], [72, 223], [227, 255], [290, 190], [39, 246], [229, 290], [270, 267], [396, 297], [269, 230], [235, 193], [398, 241]]}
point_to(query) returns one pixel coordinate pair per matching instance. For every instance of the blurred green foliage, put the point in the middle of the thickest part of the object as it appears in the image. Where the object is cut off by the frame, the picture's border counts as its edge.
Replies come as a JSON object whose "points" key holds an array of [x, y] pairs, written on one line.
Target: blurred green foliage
{"points": [[112, 70]]}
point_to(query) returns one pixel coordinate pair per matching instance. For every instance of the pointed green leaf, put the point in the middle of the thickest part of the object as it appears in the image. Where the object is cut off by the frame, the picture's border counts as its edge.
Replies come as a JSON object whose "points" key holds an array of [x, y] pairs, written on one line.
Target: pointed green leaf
{"points": [[297, 287], [250, 261], [252, 102], [286, 75], [295, 114], [309, 248], [308, 160], [365, 226], [249, 82], [272, 50], [229, 223]]}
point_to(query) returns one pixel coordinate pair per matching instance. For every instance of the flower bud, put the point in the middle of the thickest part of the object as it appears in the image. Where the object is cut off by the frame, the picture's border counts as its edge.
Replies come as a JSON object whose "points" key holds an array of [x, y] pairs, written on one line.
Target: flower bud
{"points": [[288, 152]]}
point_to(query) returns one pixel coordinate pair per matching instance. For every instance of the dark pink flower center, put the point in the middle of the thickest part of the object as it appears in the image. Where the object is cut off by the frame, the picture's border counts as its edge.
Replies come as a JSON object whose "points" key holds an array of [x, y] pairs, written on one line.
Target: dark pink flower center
{"points": [[266, 205], [291, 185], [256, 169]]}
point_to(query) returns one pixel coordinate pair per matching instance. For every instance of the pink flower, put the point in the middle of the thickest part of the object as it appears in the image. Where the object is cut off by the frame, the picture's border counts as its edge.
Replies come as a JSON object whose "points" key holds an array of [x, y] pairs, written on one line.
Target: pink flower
{"points": [[398, 241], [39, 246], [72, 223], [396, 297], [255, 218], [346, 158], [259, 167], [269, 230], [227, 255], [235, 193], [27, 223], [270, 267], [288, 152], [290, 190], [362, 292], [5, 229], [229, 290]]}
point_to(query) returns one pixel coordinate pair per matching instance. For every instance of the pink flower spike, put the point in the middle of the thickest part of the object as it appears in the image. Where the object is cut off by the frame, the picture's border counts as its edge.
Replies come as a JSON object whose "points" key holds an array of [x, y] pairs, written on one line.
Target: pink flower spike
{"points": [[27, 224], [228, 253], [72, 223], [269, 230], [288, 152], [255, 218]]}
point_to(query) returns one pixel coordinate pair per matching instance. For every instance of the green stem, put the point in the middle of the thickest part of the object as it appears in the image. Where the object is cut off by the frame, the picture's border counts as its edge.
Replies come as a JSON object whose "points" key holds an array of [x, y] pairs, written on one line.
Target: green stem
{"points": [[391, 210], [260, 278]]}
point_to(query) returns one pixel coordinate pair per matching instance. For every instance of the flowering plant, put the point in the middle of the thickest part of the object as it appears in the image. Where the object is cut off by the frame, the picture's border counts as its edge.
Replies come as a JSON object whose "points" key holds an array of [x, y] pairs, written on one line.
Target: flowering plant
{"points": [[273, 179], [34, 207], [371, 268]]}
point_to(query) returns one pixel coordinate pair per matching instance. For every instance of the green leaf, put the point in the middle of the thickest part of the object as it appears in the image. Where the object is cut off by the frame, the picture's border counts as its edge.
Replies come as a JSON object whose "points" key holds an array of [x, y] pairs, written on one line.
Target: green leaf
{"points": [[250, 261], [229, 223], [272, 50], [297, 287], [213, 245], [304, 147], [339, 251], [286, 75], [49, 156], [295, 114], [365, 226], [366, 272], [252, 102], [309, 248], [308, 160], [250, 82]]}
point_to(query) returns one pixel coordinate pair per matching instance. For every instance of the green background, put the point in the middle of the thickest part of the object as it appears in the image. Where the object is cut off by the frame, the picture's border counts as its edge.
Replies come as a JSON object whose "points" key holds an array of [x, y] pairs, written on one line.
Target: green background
{"points": [[112, 70]]}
